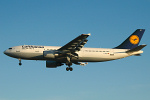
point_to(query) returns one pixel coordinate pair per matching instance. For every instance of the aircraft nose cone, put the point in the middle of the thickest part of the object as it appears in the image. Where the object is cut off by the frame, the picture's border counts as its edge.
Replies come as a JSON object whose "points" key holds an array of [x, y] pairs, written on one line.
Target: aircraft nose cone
{"points": [[5, 52]]}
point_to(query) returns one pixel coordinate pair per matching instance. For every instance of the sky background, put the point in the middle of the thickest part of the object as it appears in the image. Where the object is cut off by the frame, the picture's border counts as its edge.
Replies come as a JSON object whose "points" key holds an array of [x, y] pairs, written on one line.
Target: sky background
{"points": [[55, 23]]}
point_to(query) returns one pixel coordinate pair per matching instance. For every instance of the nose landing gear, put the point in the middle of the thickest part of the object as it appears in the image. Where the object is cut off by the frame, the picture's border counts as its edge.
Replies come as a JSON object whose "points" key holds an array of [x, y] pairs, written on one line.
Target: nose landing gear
{"points": [[20, 62]]}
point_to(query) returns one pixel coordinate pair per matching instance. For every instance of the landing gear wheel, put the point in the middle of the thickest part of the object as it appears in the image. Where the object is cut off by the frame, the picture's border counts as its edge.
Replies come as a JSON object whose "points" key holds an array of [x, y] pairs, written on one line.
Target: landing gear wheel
{"points": [[20, 64], [71, 69], [67, 69]]}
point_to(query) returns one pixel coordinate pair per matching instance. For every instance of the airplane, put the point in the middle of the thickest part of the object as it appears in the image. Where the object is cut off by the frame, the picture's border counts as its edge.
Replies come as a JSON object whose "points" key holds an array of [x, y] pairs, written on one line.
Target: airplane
{"points": [[74, 53]]}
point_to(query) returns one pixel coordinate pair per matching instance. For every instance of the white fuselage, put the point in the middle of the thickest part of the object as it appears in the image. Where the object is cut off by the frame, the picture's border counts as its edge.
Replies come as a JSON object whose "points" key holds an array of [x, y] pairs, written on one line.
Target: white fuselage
{"points": [[85, 55]]}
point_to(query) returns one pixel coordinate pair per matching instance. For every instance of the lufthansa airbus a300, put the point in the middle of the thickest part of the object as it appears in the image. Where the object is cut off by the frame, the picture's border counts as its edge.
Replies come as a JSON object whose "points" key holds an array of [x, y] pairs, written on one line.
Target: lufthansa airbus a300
{"points": [[74, 53]]}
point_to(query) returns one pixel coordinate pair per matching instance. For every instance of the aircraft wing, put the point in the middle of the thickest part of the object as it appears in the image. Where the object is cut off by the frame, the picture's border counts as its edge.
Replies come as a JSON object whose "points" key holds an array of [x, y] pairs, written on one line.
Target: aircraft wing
{"points": [[75, 45]]}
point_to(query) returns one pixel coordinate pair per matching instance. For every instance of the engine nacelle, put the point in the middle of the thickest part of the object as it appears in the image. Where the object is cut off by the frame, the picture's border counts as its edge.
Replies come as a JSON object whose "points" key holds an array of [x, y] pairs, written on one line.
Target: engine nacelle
{"points": [[53, 64]]}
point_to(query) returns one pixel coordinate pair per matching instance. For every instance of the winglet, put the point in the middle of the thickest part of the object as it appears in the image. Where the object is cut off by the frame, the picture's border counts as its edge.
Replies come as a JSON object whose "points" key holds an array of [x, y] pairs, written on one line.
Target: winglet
{"points": [[87, 34]]}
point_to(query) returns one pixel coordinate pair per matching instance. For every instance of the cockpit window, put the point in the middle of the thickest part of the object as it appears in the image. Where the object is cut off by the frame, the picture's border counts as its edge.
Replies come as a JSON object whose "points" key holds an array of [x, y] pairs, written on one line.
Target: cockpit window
{"points": [[10, 48]]}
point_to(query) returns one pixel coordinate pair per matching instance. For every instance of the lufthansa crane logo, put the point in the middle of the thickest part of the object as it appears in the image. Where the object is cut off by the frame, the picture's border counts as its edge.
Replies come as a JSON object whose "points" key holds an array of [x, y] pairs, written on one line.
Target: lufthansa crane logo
{"points": [[134, 39]]}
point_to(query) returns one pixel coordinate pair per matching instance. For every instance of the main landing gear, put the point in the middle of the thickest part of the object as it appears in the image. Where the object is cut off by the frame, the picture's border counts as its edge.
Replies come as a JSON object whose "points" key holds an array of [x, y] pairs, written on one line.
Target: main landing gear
{"points": [[69, 68], [69, 63], [20, 62]]}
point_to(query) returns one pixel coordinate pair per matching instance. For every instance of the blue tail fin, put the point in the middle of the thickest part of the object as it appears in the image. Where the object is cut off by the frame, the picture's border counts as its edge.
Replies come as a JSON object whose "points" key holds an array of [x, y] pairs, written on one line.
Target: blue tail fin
{"points": [[132, 41]]}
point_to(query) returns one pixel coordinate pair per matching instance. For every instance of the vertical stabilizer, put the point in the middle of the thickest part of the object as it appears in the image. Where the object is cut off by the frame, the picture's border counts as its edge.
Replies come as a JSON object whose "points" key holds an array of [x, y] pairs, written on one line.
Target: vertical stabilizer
{"points": [[132, 41]]}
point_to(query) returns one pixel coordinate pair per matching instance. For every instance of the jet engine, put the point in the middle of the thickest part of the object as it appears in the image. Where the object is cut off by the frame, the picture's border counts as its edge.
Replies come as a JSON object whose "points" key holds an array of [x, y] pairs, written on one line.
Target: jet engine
{"points": [[53, 64]]}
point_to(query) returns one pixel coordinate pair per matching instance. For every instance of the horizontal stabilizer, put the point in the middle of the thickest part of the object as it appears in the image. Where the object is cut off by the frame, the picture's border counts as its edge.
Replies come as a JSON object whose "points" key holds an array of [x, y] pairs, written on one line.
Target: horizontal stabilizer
{"points": [[136, 48], [137, 55]]}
